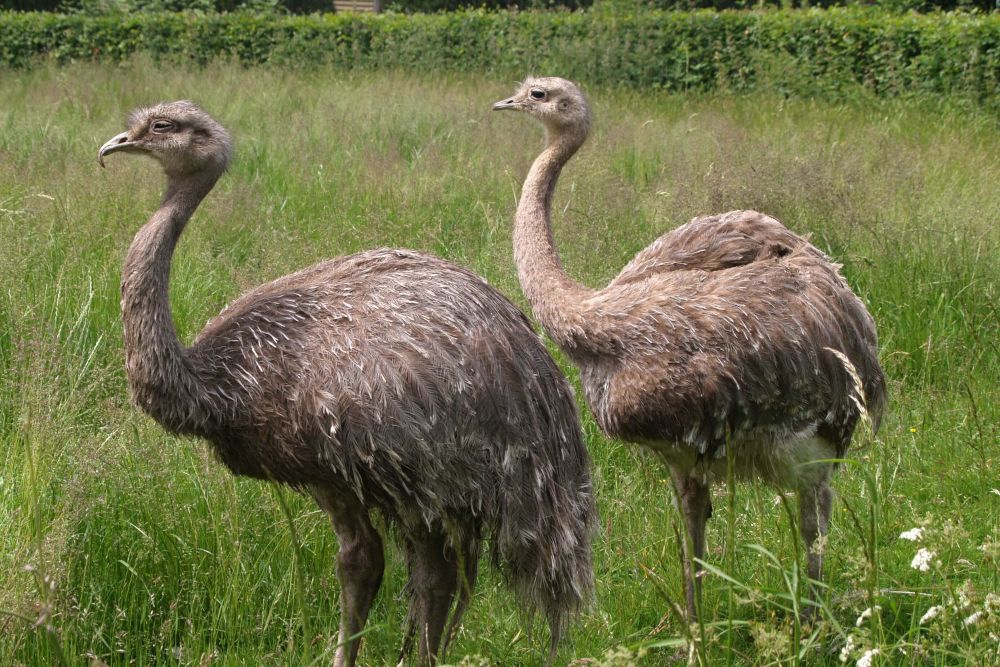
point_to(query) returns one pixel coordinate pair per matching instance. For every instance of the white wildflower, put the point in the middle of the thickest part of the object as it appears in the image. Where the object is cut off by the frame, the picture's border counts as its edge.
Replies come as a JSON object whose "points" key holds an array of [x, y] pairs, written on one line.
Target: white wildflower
{"points": [[931, 613], [866, 659], [972, 619], [963, 597], [866, 614], [912, 535], [845, 652], [922, 561], [992, 602]]}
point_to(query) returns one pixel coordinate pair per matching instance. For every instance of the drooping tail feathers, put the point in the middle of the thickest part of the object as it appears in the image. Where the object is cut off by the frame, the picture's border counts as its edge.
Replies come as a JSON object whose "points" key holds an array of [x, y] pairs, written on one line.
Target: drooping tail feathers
{"points": [[547, 514]]}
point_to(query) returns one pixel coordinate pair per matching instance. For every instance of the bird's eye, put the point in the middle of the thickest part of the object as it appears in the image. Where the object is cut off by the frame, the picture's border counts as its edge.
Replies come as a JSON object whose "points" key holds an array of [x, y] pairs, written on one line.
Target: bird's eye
{"points": [[537, 94], [162, 126]]}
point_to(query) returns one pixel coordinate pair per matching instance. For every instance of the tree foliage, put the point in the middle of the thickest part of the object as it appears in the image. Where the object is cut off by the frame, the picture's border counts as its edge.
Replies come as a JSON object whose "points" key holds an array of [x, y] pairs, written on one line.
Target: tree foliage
{"points": [[99, 7], [815, 52]]}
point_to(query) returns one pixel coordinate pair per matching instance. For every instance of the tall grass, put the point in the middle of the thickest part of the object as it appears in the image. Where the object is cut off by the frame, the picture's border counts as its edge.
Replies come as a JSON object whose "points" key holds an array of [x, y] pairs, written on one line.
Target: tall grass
{"points": [[122, 545]]}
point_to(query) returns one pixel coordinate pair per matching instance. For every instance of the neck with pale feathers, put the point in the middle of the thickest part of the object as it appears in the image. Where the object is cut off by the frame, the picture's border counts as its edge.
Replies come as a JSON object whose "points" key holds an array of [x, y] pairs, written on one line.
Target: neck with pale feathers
{"points": [[555, 298], [163, 382]]}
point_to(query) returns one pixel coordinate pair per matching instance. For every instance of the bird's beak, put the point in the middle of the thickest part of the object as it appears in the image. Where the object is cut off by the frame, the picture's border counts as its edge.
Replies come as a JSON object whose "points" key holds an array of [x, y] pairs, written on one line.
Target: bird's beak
{"points": [[508, 103], [119, 142]]}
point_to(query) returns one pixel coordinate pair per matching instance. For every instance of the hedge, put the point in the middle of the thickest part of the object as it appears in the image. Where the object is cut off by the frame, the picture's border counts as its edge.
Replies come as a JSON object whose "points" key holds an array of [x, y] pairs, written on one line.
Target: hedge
{"points": [[429, 6], [808, 52], [890, 5], [412, 6], [119, 6]]}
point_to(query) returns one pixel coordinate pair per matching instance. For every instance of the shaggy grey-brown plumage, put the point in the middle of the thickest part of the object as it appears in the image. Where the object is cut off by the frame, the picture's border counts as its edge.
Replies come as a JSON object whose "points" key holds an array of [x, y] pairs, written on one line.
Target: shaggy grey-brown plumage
{"points": [[728, 331], [388, 380]]}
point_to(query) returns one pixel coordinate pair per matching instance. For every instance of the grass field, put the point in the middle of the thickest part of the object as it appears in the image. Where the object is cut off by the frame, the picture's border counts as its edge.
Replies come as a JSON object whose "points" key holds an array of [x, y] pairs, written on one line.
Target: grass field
{"points": [[120, 545]]}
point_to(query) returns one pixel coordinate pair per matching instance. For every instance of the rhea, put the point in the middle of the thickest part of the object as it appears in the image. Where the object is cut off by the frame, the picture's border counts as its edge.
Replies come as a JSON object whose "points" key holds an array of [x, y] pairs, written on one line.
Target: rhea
{"points": [[386, 382], [729, 339]]}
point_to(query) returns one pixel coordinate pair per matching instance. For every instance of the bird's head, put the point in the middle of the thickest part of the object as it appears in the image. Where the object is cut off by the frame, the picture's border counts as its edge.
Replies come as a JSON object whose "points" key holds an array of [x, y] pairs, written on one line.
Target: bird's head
{"points": [[179, 135], [556, 102]]}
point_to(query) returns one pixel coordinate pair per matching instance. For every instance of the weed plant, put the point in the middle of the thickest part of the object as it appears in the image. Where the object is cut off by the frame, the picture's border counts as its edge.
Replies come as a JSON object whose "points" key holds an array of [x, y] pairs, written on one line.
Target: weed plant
{"points": [[121, 545]]}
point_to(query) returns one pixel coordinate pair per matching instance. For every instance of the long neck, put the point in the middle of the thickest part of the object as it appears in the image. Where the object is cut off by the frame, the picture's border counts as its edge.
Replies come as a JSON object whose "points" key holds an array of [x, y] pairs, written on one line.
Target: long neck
{"points": [[555, 298], [162, 381]]}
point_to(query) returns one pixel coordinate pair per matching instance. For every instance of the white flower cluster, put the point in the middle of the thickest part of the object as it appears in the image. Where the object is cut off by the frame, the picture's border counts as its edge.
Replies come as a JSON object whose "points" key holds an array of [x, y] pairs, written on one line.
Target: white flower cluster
{"points": [[964, 602], [866, 614], [845, 652], [973, 618], [931, 613], [866, 659], [922, 561]]}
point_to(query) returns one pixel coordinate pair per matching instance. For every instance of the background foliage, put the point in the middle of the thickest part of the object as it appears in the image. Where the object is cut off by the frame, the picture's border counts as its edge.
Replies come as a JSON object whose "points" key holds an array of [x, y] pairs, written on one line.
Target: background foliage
{"points": [[818, 52], [309, 6], [122, 6]]}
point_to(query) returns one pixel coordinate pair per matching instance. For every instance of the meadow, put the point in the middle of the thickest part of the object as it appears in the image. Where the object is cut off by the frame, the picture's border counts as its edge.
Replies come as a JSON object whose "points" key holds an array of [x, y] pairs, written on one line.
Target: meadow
{"points": [[121, 545]]}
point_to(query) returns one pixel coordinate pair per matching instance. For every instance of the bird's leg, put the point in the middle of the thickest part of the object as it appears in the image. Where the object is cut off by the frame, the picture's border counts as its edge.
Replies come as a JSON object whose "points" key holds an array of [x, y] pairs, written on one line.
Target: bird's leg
{"points": [[470, 570], [411, 622], [696, 506], [815, 503], [433, 581], [360, 564], [408, 634]]}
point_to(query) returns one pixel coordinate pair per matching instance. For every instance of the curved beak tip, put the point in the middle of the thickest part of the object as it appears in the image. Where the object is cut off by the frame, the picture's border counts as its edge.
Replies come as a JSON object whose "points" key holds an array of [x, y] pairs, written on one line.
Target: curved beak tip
{"points": [[117, 142], [504, 104]]}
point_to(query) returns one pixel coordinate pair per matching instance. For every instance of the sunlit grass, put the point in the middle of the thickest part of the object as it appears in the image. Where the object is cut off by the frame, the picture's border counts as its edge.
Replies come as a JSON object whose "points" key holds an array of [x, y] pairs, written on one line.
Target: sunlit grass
{"points": [[121, 543]]}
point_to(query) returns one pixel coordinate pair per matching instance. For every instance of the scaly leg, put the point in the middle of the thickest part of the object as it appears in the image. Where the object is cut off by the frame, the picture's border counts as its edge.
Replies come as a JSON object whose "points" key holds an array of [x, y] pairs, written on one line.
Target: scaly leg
{"points": [[432, 585], [815, 503], [696, 506], [360, 564], [470, 570]]}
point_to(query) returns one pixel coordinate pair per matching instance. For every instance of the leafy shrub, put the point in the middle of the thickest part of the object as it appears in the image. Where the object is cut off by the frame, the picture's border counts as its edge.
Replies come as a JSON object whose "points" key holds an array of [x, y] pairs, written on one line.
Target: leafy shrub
{"points": [[430, 6], [888, 5], [98, 7], [204, 6], [812, 52]]}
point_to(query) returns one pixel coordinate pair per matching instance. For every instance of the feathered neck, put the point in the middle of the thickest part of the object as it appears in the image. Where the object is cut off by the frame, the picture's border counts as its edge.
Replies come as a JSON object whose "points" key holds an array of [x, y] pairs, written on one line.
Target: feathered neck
{"points": [[160, 375], [555, 298]]}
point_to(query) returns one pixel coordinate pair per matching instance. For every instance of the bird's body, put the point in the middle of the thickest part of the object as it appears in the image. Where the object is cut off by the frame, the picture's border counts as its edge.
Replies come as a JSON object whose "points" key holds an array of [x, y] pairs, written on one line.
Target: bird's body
{"points": [[729, 338], [732, 342], [401, 368], [388, 381]]}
